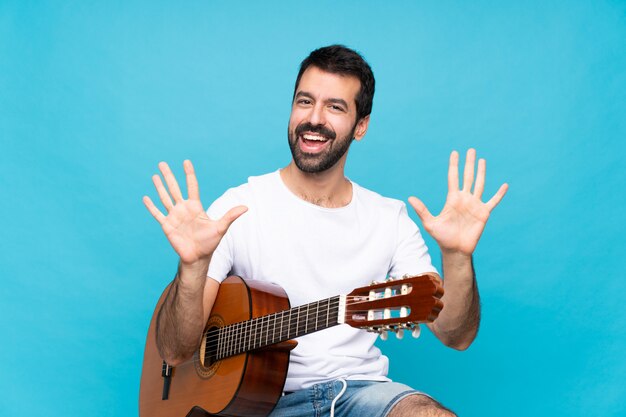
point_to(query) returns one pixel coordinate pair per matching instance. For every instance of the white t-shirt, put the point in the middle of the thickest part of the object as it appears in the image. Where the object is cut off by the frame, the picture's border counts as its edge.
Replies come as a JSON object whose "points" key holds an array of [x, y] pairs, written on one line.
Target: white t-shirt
{"points": [[314, 253]]}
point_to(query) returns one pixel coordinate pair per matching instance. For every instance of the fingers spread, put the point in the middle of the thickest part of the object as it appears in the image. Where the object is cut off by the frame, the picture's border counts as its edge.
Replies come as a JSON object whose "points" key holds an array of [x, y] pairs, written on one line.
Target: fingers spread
{"points": [[230, 216], [468, 173], [170, 180], [163, 195], [495, 200], [153, 210], [480, 178], [192, 182], [420, 209], [453, 172]]}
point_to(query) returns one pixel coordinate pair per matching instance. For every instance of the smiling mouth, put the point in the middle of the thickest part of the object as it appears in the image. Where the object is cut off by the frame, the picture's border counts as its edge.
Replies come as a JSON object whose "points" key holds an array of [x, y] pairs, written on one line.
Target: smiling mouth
{"points": [[312, 137], [313, 142]]}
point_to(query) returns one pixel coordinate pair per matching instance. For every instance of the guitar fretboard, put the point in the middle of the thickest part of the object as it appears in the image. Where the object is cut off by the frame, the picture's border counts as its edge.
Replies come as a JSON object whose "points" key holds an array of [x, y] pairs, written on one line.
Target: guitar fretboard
{"points": [[273, 328]]}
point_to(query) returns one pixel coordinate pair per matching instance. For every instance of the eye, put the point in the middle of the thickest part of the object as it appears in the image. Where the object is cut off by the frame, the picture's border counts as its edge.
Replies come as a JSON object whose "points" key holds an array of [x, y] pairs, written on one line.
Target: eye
{"points": [[303, 101], [337, 108]]}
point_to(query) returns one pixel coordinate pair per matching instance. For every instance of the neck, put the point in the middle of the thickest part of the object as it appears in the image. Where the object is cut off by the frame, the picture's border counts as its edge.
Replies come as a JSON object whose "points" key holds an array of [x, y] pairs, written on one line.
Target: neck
{"points": [[274, 328], [329, 188]]}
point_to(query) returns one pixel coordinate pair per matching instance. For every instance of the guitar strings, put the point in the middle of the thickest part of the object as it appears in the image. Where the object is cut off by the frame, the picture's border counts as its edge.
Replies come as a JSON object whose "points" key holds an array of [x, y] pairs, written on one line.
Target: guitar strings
{"points": [[358, 300], [240, 337], [266, 322], [228, 336], [234, 341]]}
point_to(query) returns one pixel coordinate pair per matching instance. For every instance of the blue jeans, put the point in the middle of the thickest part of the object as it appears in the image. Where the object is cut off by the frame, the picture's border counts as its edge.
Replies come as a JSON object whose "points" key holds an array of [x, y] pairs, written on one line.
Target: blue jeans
{"points": [[361, 399]]}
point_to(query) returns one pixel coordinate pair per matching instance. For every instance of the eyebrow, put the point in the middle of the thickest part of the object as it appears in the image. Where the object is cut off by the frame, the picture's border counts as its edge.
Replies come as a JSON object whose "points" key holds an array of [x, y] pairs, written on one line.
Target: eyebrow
{"points": [[330, 100]]}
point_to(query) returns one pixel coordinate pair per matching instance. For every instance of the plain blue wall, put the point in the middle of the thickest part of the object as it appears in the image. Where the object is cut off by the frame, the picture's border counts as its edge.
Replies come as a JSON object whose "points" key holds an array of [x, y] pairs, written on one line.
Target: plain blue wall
{"points": [[94, 94]]}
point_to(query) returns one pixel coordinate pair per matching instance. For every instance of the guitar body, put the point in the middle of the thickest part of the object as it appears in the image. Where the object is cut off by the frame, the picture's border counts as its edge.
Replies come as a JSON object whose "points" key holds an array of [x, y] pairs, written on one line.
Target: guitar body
{"points": [[240, 366], [248, 384]]}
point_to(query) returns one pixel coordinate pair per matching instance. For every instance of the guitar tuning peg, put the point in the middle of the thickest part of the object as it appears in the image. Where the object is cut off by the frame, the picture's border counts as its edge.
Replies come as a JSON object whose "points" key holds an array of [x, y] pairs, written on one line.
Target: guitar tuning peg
{"points": [[389, 278], [375, 282], [406, 276], [404, 290], [383, 335], [399, 334], [416, 331]]}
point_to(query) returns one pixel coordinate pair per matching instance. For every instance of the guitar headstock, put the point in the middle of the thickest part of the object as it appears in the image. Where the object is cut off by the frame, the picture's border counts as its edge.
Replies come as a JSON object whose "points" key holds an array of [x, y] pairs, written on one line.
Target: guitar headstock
{"points": [[395, 304]]}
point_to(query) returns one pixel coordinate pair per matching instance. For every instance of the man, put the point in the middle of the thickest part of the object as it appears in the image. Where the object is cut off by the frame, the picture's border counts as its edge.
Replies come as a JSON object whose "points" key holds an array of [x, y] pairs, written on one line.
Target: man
{"points": [[317, 234]]}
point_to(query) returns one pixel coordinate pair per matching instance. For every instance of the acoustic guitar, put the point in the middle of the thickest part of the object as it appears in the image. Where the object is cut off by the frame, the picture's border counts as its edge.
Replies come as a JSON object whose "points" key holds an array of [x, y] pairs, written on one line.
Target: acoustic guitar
{"points": [[240, 366]]}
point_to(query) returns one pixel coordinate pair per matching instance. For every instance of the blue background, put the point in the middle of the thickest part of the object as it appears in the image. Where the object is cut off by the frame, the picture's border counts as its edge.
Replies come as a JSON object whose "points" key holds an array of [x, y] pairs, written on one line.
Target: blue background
{"points": [[94, 94]]}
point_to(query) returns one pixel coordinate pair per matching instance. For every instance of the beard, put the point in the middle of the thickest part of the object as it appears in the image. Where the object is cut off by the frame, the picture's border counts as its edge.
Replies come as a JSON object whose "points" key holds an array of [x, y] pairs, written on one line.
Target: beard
{"points": [[320, 161]]}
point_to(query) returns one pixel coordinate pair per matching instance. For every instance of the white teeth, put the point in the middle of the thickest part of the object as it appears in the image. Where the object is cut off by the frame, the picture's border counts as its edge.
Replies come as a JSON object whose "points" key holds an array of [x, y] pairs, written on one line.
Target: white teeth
{"points": [[315, 137]]}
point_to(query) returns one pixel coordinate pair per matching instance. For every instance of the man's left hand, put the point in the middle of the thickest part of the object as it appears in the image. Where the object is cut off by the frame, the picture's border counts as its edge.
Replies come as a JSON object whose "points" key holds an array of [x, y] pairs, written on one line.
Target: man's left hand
{"points": [[458, 227]]}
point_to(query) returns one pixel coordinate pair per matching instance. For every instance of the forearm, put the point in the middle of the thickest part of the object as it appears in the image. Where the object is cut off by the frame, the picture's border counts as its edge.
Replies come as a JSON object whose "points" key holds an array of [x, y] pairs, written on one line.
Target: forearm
{"points": [[181, 318], [457, 324]]}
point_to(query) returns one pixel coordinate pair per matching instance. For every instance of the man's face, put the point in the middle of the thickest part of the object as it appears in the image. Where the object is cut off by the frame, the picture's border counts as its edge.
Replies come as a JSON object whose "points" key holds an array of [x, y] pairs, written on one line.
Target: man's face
{"points": [[323, 119]]}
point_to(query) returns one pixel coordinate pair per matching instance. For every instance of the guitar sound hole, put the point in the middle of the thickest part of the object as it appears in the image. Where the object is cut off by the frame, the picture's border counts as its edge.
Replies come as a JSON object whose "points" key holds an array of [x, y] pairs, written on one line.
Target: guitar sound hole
{"points": [[205, 358], [210, 351]]}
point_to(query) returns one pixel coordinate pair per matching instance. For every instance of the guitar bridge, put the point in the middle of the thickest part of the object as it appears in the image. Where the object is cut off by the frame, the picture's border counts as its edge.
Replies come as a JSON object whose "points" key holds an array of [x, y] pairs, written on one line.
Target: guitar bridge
{"points": [[166, 373]]}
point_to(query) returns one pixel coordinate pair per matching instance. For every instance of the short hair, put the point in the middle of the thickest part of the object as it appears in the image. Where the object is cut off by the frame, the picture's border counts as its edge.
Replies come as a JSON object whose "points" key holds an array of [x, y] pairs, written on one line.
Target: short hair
{"points": [[338, 59]]}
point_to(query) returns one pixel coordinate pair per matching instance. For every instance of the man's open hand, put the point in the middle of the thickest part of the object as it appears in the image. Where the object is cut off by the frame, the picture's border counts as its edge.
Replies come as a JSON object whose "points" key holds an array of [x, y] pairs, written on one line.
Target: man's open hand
{"points": [[458, 227], [191, 233]]}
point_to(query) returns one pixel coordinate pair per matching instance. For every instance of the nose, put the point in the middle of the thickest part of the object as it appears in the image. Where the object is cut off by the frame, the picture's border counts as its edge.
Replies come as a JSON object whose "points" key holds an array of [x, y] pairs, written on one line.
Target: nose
{"points": [[316, 117]]}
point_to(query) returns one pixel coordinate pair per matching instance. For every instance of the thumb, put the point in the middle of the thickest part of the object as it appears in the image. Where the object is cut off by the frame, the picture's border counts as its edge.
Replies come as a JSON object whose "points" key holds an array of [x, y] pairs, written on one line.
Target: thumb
{"points": [[228, 218], [420, 209]]}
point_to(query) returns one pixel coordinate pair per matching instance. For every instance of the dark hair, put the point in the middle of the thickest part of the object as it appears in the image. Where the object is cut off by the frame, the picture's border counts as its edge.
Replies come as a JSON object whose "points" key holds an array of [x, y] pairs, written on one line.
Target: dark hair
{"points": [[338, 59]]}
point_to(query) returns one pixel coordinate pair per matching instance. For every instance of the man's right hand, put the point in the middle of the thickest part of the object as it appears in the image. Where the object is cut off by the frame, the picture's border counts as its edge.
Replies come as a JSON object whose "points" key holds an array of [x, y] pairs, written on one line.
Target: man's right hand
{"points": [[194, 237], [192, 234]]}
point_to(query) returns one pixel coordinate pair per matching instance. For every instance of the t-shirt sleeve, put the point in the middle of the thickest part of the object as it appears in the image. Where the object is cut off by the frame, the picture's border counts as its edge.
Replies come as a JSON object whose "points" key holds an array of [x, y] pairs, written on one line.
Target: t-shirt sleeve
{"points": [[222, 259], [411, 255]]}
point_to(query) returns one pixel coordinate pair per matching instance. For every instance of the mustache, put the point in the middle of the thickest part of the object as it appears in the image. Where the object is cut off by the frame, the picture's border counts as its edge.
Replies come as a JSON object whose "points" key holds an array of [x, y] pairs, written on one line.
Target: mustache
{"points": [[308, 127]]}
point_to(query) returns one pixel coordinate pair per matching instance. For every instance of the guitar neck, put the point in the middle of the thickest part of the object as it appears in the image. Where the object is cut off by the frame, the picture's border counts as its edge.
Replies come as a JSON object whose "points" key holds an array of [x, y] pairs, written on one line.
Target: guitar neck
{"points": [[275, 328]]}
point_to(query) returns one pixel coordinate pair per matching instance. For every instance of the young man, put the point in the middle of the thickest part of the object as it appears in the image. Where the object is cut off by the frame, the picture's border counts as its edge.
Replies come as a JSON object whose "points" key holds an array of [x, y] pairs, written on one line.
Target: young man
{"points": [[317, 234]]}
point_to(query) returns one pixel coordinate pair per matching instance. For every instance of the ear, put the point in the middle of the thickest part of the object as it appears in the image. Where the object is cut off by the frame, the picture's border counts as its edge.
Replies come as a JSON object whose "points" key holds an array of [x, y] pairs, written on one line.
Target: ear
{"points": [[361, 127]]}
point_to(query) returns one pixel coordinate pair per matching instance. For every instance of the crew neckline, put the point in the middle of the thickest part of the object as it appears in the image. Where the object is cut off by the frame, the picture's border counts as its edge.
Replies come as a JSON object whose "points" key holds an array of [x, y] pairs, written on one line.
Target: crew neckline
{"points": [[309, 204]]}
